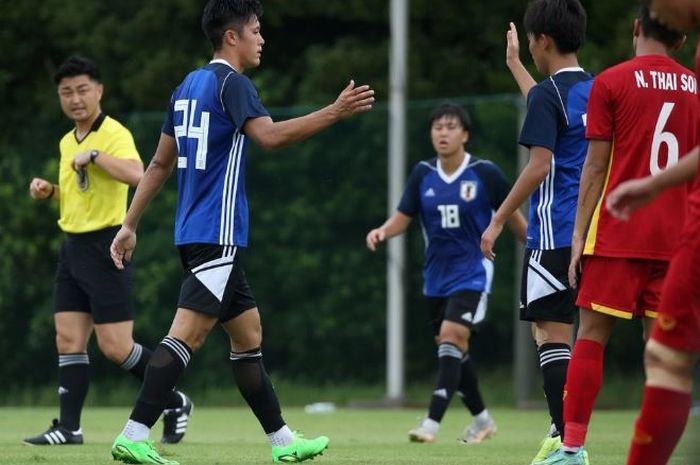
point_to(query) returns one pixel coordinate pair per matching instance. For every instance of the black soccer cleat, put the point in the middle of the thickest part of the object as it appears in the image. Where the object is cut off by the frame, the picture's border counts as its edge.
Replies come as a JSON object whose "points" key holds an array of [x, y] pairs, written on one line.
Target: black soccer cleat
{"points": [[56, 435], [175, 421]]}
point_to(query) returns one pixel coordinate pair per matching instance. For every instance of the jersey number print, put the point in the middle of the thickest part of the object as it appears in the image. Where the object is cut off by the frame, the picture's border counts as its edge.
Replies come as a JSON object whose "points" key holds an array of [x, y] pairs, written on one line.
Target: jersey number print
{"points": [[450, 216], [189, 130]]}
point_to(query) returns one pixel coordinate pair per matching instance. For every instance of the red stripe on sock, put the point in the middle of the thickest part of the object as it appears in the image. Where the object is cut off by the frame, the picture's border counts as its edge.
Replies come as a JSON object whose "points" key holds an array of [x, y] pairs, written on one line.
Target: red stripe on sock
{"points": [[583, 381], [659, 426]]}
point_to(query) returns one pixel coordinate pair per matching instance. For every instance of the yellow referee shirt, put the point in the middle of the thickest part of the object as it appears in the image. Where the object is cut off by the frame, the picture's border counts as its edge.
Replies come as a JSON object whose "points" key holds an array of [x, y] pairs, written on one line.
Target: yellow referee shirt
{"points": [[103, 202]]}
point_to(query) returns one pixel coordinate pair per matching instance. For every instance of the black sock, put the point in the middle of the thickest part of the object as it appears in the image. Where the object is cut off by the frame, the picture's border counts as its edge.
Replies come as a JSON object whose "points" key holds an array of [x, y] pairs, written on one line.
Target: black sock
{"points": [[469, 388], [554, 361], [73, 382], [256, 388], [136, 364], [449, 360], [166, 364]]}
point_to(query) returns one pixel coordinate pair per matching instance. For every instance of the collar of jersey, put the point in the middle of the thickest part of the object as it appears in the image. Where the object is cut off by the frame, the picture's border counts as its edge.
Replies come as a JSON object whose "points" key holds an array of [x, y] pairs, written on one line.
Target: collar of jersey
{"points": [[224, 62], [458, 172], [570, 69]]}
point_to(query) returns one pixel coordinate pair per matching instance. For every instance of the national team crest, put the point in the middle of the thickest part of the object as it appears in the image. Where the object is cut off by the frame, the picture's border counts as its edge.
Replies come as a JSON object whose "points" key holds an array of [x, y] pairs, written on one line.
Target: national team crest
{"points": [[467, 190]]}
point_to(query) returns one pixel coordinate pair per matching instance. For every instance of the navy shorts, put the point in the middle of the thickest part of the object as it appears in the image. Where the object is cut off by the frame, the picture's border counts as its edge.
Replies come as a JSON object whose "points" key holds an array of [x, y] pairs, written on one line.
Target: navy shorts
{"points": [[214, 282], [88, 281], [467, 308]]}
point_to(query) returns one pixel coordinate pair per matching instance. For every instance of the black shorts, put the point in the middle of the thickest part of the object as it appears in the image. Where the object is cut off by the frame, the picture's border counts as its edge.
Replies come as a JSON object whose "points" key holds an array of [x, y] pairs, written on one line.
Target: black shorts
{"points": [[467, 308], [545, 294], [214, 282], [87, 280]]}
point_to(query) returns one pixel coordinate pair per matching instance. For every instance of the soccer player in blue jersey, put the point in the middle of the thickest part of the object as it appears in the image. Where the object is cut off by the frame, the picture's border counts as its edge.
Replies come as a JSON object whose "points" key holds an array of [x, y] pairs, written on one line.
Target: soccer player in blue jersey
{"points": [[211, 116], [454, 195], [554, 132]]}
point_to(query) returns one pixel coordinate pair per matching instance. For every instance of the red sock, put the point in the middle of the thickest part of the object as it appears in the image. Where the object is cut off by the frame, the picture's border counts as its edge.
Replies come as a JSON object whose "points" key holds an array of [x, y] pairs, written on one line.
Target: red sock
{"points": [[583, 381], [659, 426]]}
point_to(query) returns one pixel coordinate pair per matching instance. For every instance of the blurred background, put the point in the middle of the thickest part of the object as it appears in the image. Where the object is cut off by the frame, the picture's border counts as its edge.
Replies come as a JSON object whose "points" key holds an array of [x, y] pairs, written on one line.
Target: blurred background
{"points": [[322, 294]]}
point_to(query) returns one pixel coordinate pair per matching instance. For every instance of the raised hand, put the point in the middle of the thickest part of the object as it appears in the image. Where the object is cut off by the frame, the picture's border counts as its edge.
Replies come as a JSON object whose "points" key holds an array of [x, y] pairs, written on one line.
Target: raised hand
{"points": [[354, 100], [513, 45]]}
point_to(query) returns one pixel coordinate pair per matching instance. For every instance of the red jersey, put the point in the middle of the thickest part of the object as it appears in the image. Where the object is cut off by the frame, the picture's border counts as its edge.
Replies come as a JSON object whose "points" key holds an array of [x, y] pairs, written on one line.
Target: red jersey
{"points": [[695, 196], [643, 107]]}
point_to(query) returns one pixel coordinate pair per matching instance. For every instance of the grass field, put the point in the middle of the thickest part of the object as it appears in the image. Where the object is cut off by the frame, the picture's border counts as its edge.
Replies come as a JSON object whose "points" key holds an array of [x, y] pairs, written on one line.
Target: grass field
{"points": [[228, 436]]}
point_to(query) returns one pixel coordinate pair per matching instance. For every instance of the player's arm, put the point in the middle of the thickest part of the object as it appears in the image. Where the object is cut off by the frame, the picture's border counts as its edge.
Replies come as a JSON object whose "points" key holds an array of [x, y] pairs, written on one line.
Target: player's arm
{"points": [[522, 77], [595, 168], [533, 174], [128, 171], [395, 225], [156, 175], [272, 135], [635, 193], [518, 225]]}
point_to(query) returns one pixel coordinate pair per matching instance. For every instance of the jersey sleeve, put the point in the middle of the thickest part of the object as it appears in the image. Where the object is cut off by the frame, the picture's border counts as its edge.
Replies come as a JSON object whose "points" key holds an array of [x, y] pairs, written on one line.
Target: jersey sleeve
{"points": [[600, 111], [169, 125], [410, 201], [496, 183], [123, 146], [241, 100], [541, 125]]}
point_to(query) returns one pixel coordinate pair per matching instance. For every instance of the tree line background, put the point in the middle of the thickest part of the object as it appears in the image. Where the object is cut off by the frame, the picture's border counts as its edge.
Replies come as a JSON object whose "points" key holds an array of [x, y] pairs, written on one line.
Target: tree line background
{"points": [[321, 293]]}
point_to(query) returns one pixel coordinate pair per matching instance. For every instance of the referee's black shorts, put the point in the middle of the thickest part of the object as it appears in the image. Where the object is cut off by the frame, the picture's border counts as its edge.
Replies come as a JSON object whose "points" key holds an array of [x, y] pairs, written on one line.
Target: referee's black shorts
{"points": [[87, 280]]}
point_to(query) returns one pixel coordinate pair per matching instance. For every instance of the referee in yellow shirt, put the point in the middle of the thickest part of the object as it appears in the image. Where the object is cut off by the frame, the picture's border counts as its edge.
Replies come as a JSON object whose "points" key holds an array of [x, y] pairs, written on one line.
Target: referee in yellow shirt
{"points": [[99, 162]]}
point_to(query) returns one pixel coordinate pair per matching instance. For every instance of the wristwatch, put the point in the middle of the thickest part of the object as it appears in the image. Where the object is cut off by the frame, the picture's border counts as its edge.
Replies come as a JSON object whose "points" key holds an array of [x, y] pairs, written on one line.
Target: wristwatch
{"points": [[94, 154]]}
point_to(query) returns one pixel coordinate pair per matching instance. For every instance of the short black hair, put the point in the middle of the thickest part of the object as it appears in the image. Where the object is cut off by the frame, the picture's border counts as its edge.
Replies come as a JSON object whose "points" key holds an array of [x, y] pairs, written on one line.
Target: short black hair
{"points": [[77, 65], [451, 110], [562, 20], [220, 15], [653, 29]]}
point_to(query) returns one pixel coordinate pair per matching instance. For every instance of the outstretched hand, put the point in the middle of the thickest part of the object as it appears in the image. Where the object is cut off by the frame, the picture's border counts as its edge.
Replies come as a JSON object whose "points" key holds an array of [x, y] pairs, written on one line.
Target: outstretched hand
{"points": [[354, 100], [374, 237], [122, 248]]}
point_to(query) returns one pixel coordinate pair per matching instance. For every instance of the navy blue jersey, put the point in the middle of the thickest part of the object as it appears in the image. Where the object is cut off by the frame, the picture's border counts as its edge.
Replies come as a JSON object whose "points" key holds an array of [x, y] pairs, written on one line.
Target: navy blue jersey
{"points": [[206, 114], [454, 211], [556, 120]]}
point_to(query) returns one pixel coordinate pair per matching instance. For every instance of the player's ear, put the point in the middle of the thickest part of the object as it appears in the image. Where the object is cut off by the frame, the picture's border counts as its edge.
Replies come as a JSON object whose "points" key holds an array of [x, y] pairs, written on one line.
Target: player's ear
{"points": [[230, 37], [465, 137], [637, 28]]}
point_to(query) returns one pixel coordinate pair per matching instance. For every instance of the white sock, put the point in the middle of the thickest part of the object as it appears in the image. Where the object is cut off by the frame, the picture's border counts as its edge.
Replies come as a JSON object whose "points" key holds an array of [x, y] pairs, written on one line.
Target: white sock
{"points": [[429, 425], [135, 431], [281, 437], [483, 417], [570, 449], [553, 432]]}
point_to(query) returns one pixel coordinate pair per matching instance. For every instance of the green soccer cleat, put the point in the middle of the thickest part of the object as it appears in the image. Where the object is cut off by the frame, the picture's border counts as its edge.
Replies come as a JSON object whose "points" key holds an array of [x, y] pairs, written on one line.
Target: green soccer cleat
{"points": [[548, 446], [137, 452], [559, 457], [300, 449]]}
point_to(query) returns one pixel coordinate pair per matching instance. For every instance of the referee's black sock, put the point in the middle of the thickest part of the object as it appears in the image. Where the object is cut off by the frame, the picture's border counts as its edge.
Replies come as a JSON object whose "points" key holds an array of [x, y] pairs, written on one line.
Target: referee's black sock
{"points": [[73, 382], [166, 364], [469, 388], [554, 361], [449, 360], [255, 387], [136, 363]]}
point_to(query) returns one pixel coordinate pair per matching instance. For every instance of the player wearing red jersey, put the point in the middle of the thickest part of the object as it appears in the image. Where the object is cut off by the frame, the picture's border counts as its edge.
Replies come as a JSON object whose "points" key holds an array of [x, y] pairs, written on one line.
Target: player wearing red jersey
{"points": [[672, 350], [637, 125]]}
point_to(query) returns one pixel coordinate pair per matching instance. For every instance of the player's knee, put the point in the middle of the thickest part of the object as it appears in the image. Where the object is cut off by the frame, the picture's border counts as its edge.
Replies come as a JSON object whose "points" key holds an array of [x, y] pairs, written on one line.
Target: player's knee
{"points": [[668, 367], [115, 349], [69, 342]]}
